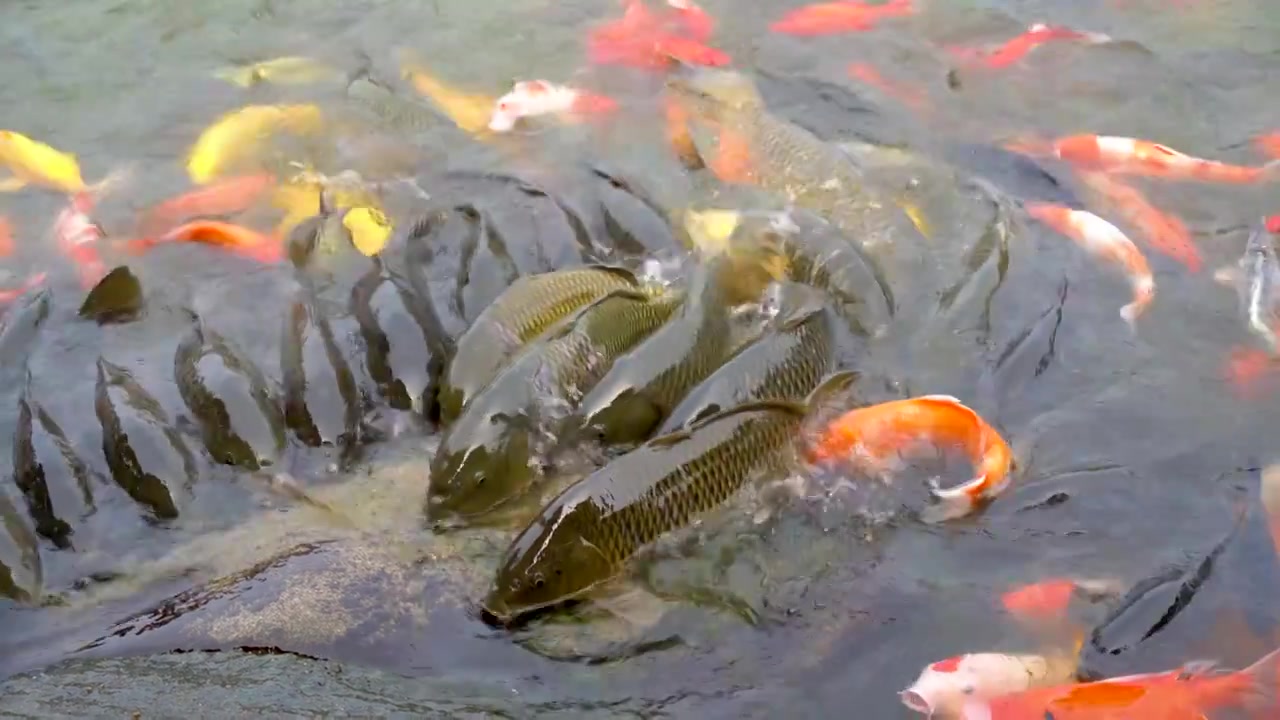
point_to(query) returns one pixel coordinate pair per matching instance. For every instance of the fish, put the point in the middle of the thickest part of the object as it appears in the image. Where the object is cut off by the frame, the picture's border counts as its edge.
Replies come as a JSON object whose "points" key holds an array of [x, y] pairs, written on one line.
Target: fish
{"points": [[1015, 49], [236, 239], [490, 454], [77, 236], [370, 229], [1104, 241], [1194, 692], [32, 162], [644, 39], [877, 434], [868, 74], [943, 687], [393, 111], [527, 308], [220, 198], [842, 16], [470, 111], [587, 535], [800, 247], [238, 417], [1164, 232], [7, 245], [237, 136], [116, 298], [33, 281], [1256, 276], [148, 458], [794, 353], [55, 482], [1269, 144], [534, 98], [790, 161], [1048, 600], [405, 347], [288, 70], [321, 401], [1130, 156], [645, 385]]}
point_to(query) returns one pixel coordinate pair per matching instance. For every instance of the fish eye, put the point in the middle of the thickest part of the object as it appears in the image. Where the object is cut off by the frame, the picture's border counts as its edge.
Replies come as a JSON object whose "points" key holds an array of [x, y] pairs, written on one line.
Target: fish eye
{"points": [[539, 583], [967, 689]]}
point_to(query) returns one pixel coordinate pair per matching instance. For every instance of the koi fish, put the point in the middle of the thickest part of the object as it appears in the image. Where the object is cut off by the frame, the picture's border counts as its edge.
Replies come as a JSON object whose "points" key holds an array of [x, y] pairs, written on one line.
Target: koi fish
{"points": [[1269, 144], [1105, 241], [469, 111], [1164, 232], [240, 134], [77, 236], [1048, 600], [842, 16], [943, 687], [1256, 276], [1191, 692], [867, 73], [236, 239], [224, 197], [6, 237], [1015, 49], [876, 435], [32, 282], [35, 163], [531, 98], [649, 41], [370, 229], [291, 70], [1245, 368], [1129, 156]]}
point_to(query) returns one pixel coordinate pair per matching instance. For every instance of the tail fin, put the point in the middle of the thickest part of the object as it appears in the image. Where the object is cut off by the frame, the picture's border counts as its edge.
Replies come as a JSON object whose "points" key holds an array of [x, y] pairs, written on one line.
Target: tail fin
{"points": [[1258, 687]]}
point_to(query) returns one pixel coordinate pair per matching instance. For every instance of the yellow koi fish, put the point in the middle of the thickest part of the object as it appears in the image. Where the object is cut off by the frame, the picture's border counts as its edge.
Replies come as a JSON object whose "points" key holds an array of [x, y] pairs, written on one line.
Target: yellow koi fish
{"points": [[469, 111], [290, 70], [240, 134], [370, 229], [33, 162]]}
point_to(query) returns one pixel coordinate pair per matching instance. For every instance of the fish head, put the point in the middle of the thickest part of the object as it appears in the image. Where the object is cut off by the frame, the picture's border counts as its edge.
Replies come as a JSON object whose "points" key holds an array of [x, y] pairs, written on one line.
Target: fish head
{"points": [[713, 94], [629, 418], [943, 688], [479, 466], [548, 564]]}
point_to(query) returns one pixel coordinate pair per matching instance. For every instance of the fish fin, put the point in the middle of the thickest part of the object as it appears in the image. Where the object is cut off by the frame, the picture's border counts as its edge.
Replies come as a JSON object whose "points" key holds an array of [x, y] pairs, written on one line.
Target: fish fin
{"points": [[941, 398], [239, 76], [1261, 677], [12, 184], [785, 406], [955, 502], [672, 438], [834, 385], [618, 270]]}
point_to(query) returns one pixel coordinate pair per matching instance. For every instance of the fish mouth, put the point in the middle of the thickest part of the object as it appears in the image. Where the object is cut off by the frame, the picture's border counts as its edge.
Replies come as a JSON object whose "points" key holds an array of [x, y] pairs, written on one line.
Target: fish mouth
{"points": [[915, 701]]}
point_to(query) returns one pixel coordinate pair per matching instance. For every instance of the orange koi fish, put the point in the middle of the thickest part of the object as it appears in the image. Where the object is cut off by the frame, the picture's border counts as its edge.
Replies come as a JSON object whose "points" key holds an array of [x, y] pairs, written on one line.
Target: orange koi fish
{"points": [[32, 282], [1191, 692], [236, 239], [1129, 156], [867, 74], [1015, 49], [77, 236], [1048, 600], [1164, 232], [531, 98], [1269, 144], [876, 435], [223, 197], [842, 16], [647, 40], [6, 237], [1105, 241], [697, 23]]}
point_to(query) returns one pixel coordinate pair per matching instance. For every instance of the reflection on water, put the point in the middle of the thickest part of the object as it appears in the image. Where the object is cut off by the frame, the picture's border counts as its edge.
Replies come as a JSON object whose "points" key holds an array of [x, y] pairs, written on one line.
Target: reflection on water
{"points": [[1130, 446]]}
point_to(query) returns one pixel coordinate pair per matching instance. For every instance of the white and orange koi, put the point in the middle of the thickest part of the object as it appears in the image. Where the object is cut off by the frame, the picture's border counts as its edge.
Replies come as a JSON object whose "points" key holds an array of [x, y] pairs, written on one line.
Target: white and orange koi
{"points": [[533, 98], [943, 687], [1130, 156]]}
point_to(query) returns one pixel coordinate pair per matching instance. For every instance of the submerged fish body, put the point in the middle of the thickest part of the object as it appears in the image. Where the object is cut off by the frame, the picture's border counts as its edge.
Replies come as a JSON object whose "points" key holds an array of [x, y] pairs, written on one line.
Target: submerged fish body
{"points": [[239, 135], [21, 569], [644, 385], [405, 348], [788, 361], [148, 458], [288, 70], [490, 453], [1257, 279], [55, 482], [588, 533], [239, 420], [321, 401], [790, 161], [393, 111], [531, 305]]}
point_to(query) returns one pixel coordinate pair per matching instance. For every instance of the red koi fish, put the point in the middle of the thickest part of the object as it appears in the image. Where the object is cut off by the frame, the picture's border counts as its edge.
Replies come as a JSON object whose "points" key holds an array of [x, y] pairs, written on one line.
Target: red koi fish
{"points": [[32, 282], [6, 237], [1047, 601], [236, 239], [842, 16], [1164, 232], [1129, 156], [77, 237], [224, 197], [867, 74], [1017, 48], [647, 40], [1269, 144]]}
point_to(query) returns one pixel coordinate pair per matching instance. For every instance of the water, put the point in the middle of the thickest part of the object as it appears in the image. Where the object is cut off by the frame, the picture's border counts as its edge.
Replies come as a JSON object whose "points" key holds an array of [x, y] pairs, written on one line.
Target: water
{"points": [[1130, 447]]}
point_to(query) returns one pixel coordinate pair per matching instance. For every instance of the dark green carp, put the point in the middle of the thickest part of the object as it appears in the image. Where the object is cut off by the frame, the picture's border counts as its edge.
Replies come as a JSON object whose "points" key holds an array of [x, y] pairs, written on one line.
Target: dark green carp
{"points": [[489, 455], [790, 161], [588, 533], [526, 309], [786, 363], [644, 385], [321, 401], [55, 482]]}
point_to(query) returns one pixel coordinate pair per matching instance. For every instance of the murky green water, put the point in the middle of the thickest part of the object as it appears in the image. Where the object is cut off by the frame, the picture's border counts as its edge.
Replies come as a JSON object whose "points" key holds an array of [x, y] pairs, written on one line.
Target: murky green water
{"points": [[1129, 446]]}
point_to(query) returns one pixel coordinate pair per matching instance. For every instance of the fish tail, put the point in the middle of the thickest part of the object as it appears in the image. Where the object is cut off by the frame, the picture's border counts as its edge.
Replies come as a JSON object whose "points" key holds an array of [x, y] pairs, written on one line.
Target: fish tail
{"points": [[1255, 686], [243, 77], [956, 502]]}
